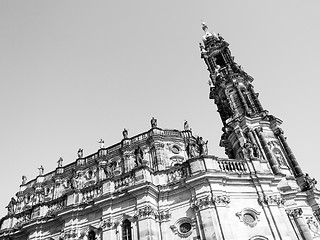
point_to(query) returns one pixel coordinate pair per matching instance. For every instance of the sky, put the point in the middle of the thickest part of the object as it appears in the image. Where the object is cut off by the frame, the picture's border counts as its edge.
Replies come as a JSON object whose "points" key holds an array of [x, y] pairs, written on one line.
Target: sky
{"points": [[74, 72]]}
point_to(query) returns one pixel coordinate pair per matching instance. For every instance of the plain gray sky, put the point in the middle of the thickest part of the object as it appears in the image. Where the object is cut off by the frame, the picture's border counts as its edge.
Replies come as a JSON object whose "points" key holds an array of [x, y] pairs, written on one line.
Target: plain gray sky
{"points": [[73, 72]]}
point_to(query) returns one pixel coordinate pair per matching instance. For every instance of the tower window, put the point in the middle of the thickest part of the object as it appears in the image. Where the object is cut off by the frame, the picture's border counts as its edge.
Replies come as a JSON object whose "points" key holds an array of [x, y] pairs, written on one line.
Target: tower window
{"points": [[92, 235], [220, 61], [126, 230]]}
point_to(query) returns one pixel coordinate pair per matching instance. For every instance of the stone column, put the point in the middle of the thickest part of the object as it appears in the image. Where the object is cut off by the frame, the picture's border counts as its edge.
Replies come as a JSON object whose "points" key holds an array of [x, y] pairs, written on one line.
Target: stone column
{"points": [[148, 229], [269, 154], [207, 219], [296, 216], [293, 161]]}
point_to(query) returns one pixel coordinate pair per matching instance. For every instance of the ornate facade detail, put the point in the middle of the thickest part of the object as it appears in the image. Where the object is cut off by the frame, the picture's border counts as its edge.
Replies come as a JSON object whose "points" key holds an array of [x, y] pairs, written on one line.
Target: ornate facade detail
{"points": [[295, 213], [183, 227], [105, 223], [272, 200], [146, 212], [163, 215], [309, 183], [200, 203], [222, 200], [249, 216], [313, 226], [316, 213]]}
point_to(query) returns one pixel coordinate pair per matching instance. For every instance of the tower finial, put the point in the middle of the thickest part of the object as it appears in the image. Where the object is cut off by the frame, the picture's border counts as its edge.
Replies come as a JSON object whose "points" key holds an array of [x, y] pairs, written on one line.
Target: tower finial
{"points": [[204, 26]]}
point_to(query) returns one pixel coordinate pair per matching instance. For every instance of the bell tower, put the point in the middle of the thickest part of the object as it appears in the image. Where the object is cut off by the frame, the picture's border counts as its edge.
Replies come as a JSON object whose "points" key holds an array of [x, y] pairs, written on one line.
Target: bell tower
{"points": [[249, 131]]}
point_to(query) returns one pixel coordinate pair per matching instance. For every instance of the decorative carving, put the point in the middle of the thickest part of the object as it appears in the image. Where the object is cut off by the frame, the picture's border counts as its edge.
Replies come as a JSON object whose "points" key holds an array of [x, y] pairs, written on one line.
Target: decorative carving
{"points": [[222, 200], [200, 203], [316, 213], [309, 183], [313, 226], [272, 200], [101, 143], [145, 212], [105, 223], [163, 215], [295, 213]]}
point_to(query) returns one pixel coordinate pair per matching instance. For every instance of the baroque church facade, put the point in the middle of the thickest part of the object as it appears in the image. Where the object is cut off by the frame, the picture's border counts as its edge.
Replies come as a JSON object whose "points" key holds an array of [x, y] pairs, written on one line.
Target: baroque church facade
{"points": [[163, 185]]}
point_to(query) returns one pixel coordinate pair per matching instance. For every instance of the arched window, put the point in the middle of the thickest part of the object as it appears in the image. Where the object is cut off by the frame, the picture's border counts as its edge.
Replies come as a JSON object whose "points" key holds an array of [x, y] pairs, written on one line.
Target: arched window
{"points": [[92, 235], [126, 230]]}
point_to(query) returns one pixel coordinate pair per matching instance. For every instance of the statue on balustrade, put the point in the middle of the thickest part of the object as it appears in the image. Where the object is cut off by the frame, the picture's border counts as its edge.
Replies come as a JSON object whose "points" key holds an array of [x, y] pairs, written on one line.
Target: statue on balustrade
{"points": [[248, 150], [153, 122], [202, 145], [191, 149], [101, 144], [24, 180], [60, 162], [80, 151], [138, 156], [125, 133], [41, 169], [11, 206], [108, 169], [256, 151], [186, 126]]}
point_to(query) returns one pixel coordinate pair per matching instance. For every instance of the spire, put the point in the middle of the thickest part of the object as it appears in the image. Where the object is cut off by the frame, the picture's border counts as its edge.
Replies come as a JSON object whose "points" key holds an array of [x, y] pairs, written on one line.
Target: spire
{"points": [[207, 33], [204, 26]]}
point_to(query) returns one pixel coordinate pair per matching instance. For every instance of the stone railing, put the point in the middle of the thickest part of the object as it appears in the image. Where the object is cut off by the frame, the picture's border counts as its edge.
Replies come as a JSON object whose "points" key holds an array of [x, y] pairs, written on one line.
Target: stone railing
{"points": [[214, 164], [232, 166], [54, 207], [90, 193], [124, 181]]}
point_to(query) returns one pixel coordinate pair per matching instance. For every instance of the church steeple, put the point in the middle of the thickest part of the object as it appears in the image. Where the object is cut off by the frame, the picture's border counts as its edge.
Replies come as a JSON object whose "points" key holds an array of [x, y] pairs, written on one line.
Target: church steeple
{"points": [[231, 86], [249, 132]]}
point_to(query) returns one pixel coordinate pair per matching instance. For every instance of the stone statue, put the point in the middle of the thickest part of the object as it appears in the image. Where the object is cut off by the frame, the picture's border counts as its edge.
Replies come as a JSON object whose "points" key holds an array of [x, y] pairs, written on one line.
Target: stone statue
{"points": [[101, 143], [108, 169], [153, 122], [11, 205], [248, 146], [203, 148], [24, 180], [256, 151], [80, 152], [138, 156], [186, 126], [60, 162], [277, 153], [41, 169], [125, 133], [309, 183]]}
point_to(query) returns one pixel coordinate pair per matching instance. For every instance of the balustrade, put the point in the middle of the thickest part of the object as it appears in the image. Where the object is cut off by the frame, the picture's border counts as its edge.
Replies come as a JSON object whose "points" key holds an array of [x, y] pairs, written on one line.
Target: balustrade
{"points": [[125, 181], [232, 166]]}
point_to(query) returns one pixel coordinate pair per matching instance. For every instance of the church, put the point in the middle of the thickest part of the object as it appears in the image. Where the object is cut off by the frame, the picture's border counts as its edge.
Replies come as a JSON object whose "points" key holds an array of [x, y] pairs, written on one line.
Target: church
{"points": [[162, 184]]}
